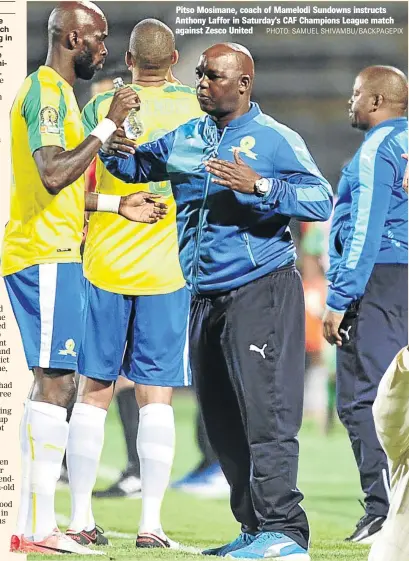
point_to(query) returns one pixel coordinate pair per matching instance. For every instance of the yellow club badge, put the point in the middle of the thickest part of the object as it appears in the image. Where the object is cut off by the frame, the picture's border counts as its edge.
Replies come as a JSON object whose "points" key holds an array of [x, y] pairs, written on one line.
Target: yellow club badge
{"points": [[69, 348], [49, 121], [247, 144]]}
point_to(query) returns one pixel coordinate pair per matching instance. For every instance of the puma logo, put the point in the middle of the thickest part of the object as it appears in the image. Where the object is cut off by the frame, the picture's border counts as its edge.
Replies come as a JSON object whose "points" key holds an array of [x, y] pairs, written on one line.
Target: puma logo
{"points": [[345, 332], [257, 350]]}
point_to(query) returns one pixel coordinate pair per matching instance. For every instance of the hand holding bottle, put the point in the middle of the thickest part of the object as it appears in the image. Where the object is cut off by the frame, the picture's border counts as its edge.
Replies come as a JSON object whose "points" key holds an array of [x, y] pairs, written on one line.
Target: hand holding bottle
{"points": [[124, 101], [132, 124]]}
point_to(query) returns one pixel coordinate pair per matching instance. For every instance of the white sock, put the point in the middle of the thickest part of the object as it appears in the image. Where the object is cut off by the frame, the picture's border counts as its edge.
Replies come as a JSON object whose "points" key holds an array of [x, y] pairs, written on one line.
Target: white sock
{"points": [[25, 472], [85, 443], [156, 447], [47, 431]]}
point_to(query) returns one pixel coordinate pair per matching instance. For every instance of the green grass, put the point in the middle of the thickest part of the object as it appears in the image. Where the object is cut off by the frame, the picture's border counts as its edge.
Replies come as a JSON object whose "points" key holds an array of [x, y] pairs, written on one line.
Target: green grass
{"points": [[328, 478]]}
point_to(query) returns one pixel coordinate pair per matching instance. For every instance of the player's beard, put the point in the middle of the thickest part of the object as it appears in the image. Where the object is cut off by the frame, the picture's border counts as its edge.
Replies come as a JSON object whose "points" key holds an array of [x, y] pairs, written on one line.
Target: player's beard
{"points": [[84, 66]]}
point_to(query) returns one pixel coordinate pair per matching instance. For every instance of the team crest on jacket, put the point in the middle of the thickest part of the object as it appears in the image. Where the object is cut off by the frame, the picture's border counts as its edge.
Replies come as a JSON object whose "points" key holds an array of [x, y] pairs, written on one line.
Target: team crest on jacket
{"points": [[247, 144], [49, 121]]}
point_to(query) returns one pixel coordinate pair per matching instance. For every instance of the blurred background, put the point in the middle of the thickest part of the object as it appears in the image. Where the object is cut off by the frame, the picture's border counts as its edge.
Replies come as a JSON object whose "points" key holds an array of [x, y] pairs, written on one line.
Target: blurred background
{"points": [[304, 82]]}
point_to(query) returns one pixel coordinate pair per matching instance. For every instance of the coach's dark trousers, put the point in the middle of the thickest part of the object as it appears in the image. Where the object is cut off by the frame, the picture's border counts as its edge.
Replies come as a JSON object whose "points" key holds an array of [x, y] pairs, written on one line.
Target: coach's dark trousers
{"points": [[247, 356], [376, 335]]}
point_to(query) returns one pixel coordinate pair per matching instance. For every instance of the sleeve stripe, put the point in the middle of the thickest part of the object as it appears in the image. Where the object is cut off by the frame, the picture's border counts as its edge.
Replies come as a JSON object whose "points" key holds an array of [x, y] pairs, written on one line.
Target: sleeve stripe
{"points": [[91, 114], [38, 97], [312, 194], [367, 159], [34, 92], [298, 146], [62, 112]]}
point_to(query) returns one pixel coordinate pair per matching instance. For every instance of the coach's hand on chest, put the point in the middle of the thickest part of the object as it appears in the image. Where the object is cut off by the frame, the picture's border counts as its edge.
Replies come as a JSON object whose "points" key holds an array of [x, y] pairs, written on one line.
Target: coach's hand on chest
{"points": [[235, 175]]}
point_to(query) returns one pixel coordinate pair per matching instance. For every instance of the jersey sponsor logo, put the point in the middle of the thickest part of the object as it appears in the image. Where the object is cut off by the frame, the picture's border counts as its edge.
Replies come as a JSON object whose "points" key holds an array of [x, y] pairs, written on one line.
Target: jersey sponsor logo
{"points": [[49, 120], [63, 249], [258, 350], [69, 348], [246, 147]]}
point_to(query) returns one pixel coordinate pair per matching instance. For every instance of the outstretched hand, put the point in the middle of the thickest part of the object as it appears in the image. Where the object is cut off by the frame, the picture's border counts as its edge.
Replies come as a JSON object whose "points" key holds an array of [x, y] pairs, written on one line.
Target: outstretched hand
{"points": [[119, 145], [236, 175], [142, 207]]}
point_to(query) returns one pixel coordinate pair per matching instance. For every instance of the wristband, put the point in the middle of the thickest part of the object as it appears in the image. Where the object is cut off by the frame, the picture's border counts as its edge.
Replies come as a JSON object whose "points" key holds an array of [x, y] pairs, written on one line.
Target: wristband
{"points": [[108, 203], [104, 130]]}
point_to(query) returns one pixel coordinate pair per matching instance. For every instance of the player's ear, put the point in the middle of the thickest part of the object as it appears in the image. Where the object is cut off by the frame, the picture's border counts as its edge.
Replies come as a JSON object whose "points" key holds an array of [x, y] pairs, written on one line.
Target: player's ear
{"points": [[128, 60], [73, 39], [244, 83], [175, 57], [378, 100]]}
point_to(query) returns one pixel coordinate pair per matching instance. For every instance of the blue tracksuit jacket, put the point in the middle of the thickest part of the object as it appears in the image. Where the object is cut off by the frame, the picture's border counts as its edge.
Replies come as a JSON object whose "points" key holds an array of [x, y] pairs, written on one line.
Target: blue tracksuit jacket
{"points": [[227, 239], [370, 223]]}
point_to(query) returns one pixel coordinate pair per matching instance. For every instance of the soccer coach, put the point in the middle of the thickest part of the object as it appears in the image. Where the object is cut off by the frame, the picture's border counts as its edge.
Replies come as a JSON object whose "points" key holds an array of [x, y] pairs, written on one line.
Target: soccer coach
{"points": [[367, 299], [238, 176]]}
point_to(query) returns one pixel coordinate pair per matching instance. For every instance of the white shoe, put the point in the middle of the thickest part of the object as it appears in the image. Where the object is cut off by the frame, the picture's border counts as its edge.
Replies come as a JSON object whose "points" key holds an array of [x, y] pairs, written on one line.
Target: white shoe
{"points": [[56, 543], [147, 540]]}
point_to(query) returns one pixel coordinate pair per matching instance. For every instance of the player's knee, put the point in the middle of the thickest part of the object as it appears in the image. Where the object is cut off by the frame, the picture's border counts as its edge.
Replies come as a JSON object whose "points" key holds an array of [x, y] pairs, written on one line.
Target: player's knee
{"points": [[55, 386], [153, 394], [95, 392]]}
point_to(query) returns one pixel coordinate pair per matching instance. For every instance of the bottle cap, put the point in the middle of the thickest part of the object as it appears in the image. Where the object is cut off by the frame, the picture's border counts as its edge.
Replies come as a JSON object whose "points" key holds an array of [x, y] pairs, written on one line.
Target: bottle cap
{"points": [[118, 83]]}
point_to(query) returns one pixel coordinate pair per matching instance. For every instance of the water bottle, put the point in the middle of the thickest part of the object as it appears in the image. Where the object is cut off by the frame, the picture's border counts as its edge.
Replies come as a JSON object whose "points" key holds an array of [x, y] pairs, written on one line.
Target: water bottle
{"points": [[133, 125]]}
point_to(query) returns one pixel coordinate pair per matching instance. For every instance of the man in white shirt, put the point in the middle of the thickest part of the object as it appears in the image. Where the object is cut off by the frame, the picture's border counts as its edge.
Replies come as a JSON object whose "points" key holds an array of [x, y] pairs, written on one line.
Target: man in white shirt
{"points": [[391, 415]]}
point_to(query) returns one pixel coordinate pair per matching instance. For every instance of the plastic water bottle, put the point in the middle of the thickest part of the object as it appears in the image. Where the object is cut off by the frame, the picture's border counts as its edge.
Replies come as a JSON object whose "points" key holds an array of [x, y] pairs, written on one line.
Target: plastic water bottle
{"points": [[133, 125]]}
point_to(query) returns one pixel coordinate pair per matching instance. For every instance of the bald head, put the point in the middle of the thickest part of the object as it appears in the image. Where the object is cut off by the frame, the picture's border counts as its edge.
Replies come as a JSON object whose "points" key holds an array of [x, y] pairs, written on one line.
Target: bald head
{"points": [[73, 16], [388, 82], [76, 35], [152, 45], [235, 55], [379, 93], [224, 80]]}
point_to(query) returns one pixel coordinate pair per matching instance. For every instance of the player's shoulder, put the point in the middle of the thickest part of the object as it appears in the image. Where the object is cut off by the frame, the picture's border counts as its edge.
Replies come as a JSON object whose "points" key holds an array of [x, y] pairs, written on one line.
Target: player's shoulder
{"points": [[39, 87], [46, 79], [35, 83], [99, 98], [104, 98], [397, 138], [190, 128], [387, 140], [180, 90], [276, 130]]}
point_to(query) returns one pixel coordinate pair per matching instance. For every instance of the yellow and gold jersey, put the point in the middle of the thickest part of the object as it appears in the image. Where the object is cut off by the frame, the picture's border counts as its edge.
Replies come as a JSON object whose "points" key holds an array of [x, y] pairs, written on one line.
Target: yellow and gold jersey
{"points": [[43, 228], [126, 257]]}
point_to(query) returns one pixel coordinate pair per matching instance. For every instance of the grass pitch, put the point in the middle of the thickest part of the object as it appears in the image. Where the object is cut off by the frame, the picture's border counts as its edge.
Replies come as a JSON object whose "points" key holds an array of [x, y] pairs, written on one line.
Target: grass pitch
{"points": [[328, 478]]}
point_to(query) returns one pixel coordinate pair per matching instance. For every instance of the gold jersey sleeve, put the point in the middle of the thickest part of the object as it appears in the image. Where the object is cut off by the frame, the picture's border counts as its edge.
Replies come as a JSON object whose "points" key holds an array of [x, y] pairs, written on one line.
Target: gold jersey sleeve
{"points": [[43, 228], [125, 257]]}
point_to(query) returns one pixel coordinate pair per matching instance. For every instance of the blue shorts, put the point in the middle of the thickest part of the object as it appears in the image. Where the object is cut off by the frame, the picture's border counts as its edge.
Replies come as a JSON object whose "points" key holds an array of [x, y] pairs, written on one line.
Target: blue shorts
{"points": [[48, 303], [143, 338]]}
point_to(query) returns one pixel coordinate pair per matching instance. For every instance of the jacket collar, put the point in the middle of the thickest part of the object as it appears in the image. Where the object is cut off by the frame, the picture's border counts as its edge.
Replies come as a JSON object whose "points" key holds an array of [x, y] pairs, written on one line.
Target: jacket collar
{"points": [[387, 123], [210, 131]]}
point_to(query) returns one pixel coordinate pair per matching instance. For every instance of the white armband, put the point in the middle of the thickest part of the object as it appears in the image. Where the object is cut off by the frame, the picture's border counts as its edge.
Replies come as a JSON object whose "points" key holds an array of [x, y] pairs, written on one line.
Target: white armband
{"points": [[104, 129], [108, 203]]}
